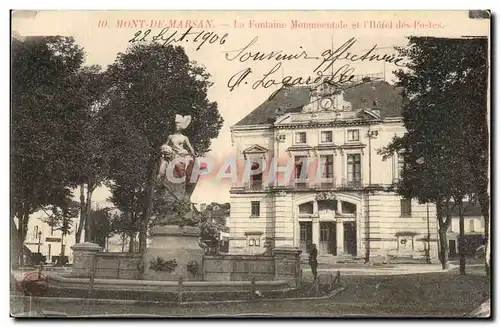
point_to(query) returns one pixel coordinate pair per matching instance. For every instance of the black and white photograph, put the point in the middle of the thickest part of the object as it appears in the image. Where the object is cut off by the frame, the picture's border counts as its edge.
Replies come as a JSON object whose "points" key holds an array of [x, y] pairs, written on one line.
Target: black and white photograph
{"points": [[250, 164]]}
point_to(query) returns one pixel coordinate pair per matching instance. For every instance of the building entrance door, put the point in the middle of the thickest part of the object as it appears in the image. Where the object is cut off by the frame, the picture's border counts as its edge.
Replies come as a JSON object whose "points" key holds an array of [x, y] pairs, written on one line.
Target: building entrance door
{"points": [[305, 236], [350, 239], [327, 239]]}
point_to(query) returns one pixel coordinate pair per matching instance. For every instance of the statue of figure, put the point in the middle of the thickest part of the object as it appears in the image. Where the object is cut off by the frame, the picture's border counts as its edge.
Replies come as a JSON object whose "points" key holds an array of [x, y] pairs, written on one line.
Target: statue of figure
{"points": [[178, 193], [177, 146]]}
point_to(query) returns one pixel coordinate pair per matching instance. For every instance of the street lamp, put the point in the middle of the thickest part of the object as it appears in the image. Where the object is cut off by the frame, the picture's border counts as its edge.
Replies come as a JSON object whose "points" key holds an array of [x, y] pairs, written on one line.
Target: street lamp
{"points": [[39, 240]]}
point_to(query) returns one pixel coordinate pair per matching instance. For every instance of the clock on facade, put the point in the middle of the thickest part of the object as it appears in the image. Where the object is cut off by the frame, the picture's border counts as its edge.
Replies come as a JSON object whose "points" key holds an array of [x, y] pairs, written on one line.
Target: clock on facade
{"points": [[326, 103]]}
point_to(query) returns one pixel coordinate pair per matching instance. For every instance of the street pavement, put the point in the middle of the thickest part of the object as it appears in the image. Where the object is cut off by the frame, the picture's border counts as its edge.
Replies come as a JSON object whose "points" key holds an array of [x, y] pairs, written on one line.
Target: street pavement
{"points": [[281, 308], [334, 307], [382, 270]]}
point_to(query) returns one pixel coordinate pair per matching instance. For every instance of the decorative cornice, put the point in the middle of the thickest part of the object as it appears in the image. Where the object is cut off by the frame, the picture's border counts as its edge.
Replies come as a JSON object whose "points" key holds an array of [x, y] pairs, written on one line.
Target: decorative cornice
{"points": [[253, 233], [300, 148], [353, 146], [250, 127], [328, 124], [327, 147]]}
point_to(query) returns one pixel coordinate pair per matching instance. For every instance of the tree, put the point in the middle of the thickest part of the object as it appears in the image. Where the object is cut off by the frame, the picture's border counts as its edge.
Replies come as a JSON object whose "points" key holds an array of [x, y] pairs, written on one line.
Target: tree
{"points": [[127, 183], [152, 83], [43, 107], [210, 234], [126, 226], [101, 226], [440, 118], [91, 160], [68, 213], [61, 218], [219, 211]]}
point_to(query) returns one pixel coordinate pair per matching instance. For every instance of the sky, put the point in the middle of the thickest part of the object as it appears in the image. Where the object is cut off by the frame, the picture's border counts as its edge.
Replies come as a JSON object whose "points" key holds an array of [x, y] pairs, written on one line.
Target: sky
{"points": [[381, 29]]}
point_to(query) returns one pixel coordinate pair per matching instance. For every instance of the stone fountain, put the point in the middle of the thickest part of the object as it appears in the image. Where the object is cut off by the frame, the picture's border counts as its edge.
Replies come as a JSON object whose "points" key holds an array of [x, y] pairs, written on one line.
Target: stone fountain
{"points": [[175, 250], [174, 261]]}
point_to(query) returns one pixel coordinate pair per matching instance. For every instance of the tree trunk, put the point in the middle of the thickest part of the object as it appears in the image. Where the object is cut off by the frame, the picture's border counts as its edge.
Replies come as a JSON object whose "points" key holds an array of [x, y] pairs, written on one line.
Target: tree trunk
{"points": [[443, 248], [485, 210], [88, 236], [16, 244], [61, 256], [444, 221], [24, 223], [461, 240], [22, 231], [123, 242], [149, 205], [133, 233], [131, 238], [83, 217]]}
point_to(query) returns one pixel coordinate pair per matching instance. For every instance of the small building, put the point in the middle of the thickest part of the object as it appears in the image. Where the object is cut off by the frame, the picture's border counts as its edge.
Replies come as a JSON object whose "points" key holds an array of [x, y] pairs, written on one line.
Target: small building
{"points": [[474, 229], [44, 239]]}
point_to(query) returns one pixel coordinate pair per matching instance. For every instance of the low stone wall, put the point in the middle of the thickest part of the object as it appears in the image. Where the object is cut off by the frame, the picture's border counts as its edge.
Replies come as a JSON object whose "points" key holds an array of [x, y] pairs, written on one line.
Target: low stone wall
{"points": [[238, 268], [118, 265], [68, 282], [283, 265], [88, 260]]}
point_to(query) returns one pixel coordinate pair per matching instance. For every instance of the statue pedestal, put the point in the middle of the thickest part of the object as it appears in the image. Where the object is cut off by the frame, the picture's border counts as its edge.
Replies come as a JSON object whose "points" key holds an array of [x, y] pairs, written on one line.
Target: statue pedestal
{"points": [[83, 258], [173, 242]]}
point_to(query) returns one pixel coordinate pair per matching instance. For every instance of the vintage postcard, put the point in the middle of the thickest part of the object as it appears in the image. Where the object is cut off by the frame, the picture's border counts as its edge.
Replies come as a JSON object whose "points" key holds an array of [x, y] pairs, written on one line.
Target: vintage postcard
{"points": [[250, 164]]}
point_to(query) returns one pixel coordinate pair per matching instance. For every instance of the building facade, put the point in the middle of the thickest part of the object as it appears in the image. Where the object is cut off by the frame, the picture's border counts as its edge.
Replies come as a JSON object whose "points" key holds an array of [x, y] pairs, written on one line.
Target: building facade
{"points": [[315, 177], [474, 229], [44, 239]]}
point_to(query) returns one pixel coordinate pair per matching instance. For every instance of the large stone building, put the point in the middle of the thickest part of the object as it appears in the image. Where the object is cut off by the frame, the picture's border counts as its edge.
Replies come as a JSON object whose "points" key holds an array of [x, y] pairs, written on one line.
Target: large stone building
{"points": [[347, 206]]}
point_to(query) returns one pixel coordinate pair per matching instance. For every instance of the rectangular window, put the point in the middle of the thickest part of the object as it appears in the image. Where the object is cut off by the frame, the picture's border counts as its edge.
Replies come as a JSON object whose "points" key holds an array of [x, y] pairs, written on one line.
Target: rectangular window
{"points": [[354, 167], [326, 137], [471, 225], [256, 181], [405, 207], [300, 161], [255, 208], [327, 169], [300, 138], [353, 135], [254, 241]]}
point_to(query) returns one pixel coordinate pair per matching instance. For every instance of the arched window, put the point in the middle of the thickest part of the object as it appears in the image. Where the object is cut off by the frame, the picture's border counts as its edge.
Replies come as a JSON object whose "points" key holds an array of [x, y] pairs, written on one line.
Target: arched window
{"points": [[306, 208]]}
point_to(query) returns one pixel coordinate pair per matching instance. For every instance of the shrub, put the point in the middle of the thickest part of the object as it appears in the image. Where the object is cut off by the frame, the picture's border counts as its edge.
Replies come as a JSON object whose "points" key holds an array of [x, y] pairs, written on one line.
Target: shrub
{"points": [[192, 267], [160, 264]]}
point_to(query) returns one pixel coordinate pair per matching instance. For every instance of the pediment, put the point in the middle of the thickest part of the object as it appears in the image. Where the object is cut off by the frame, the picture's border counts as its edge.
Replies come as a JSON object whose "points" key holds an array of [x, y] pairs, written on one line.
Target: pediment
{"points": [[368, 114], [255, 150], [283, 119]]}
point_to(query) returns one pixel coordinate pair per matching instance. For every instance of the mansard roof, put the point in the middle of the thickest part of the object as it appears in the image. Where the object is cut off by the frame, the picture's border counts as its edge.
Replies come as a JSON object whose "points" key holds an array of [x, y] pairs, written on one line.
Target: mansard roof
{"points": [[291, 100]]}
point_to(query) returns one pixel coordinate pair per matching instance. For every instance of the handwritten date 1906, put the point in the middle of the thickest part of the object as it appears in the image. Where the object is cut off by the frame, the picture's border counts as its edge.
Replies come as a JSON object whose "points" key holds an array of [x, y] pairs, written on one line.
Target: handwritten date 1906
{"points": [[166, 37]]}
